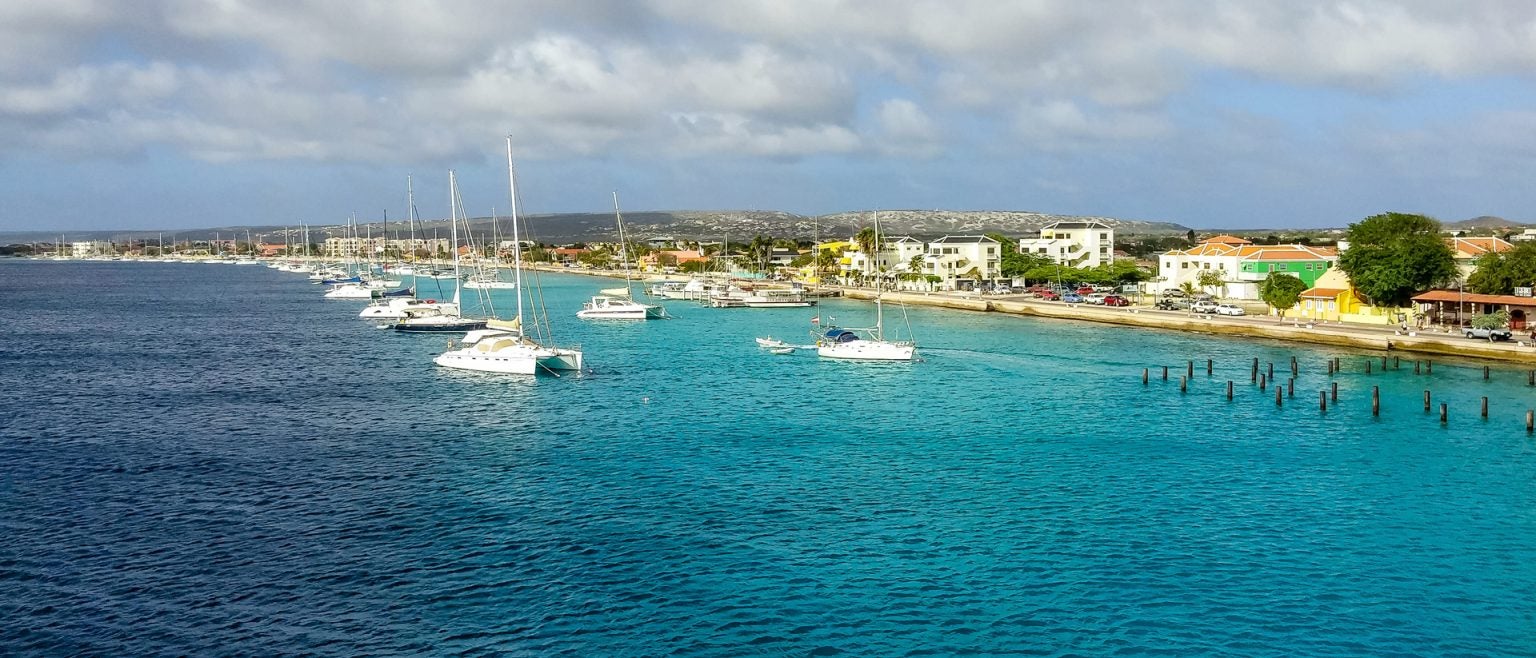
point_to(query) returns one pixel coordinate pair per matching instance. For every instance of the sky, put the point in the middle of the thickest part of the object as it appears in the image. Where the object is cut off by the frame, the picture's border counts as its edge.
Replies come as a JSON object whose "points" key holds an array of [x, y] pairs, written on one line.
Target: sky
{"points": [[168, 114]]}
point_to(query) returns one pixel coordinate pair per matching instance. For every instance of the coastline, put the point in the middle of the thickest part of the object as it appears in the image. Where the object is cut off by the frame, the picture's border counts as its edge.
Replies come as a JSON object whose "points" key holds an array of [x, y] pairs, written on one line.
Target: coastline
{"points": [[1338, 335]]}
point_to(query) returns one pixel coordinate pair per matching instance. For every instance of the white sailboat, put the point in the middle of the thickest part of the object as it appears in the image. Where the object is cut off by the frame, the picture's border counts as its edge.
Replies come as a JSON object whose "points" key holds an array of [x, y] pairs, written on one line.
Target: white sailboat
{"points": [[506, 347], [443, 318], [610, 304], [864, 343]]}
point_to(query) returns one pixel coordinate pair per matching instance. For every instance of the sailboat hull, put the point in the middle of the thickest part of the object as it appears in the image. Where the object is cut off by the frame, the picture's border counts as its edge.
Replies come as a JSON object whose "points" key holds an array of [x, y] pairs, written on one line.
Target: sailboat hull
{"points": [[513, 360], [867, 350]]}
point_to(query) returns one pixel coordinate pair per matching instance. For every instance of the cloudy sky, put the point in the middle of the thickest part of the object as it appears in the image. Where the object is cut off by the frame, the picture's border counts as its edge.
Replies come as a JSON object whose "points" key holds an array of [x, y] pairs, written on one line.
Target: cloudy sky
{"points": [[183, 113]]}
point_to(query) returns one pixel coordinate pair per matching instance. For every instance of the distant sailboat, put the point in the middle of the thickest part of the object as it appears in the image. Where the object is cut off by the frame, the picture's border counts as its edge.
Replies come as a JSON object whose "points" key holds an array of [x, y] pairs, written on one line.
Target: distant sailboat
{"points": [[864, 343], [616, 304], [441, 319]]}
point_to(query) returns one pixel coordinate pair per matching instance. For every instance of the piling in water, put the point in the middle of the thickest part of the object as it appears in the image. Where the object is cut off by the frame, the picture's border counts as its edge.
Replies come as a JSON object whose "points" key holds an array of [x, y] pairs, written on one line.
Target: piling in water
{"points": [[1368, 366], [1229, 389], [1335, 392], [1322, 400], [1530, 421], [1485, 406], [1429, 367], [1397, 362], [1426, 400], [1375, 400], [1415, 367], [1191, 372], [1485, 373], [1530, 378], [1290, 387], [1183, 384], [1165, 373], [1271, 371], [1144, 372], [1278, 397], [1262, 382], [1293, 366], [1442, 413], [1210, 366], [1254, 376]]}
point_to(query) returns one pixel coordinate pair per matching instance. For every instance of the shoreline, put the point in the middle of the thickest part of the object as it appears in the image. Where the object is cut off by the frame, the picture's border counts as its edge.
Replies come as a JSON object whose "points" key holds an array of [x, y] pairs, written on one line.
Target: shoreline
{"points": [[1337, 335]]}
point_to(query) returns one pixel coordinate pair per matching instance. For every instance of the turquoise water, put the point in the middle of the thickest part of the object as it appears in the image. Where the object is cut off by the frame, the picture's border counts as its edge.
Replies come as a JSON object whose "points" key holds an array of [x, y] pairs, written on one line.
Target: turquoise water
{"points": [[211, 459]]}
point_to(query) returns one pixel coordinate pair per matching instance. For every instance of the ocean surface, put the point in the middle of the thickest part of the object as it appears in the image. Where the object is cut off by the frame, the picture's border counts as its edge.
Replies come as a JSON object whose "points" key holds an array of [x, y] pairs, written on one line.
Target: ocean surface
{"points": [[212, 460]]}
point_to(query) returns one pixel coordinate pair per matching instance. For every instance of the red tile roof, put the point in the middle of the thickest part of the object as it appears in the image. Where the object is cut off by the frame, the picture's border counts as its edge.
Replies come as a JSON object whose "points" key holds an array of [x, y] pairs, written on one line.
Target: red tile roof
{"points": [[1456, 295]]}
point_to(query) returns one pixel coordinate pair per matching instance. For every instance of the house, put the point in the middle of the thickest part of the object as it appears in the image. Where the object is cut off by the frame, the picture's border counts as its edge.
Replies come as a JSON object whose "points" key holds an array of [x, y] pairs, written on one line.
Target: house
{"points": [[895, 256], [566, 255], [962, 261], [1332, 298], [1241, 265], [656, 261], [1466, 251], [1074, 244], [1456, 307], [268, 250]]}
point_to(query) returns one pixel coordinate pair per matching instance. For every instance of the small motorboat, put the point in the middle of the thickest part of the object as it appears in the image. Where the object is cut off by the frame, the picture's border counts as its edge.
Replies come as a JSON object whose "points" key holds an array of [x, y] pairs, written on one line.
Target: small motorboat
{"points": [[770, 341], [782, 350]]}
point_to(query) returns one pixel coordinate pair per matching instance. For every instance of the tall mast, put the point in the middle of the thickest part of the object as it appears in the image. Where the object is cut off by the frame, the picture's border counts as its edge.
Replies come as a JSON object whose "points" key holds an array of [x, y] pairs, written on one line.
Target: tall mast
{"points": [[879, 308], [623, 247], [517, 242], [453, 223]]}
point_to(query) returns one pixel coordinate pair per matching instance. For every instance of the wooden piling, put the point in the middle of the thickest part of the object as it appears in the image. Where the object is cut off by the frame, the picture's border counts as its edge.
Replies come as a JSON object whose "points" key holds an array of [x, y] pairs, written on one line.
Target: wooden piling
{"points": [[1322, 400], [1165, 373], [1442, 413], [1210, 367], [1271, 371], [1375, 400], [1368, 366], [1330, 367], [1278, 398], [1530, 378], [1429, 367], [1229, 389], [1144, 372], [1415, 367], [1254, 376], [1397, 363], [1262, 381], [1183, 384], [1294, 371], [1485, 406], [1335, 392], [1530, 421], [1426, 400], [1485, 373], [1191, 372], [1290, 388]]}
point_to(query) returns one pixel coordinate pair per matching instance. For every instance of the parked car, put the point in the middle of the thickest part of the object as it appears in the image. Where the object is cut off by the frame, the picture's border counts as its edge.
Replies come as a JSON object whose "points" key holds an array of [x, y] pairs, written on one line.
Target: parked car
{"points": [[1085, 290], [1229, 309], [1203, 306], [1171, 304], [1002, 290], [1116, 300], [1489, 334], [1048, 295], [1174, 293], [1094, 298], [1072, 298]]}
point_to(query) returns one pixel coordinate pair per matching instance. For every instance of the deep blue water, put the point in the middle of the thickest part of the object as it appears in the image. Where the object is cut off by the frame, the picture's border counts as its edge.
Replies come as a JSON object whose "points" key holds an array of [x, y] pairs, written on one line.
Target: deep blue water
{"points": [[207, 459]]}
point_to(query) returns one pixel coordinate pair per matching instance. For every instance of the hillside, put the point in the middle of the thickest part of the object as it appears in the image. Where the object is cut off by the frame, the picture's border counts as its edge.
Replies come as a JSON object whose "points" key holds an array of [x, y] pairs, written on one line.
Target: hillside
{"points": [[679, 224]]}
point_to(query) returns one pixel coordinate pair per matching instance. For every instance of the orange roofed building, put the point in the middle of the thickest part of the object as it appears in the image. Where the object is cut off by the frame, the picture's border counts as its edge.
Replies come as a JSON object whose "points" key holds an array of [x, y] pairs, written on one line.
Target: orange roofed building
{"points": [[1241, 265]]}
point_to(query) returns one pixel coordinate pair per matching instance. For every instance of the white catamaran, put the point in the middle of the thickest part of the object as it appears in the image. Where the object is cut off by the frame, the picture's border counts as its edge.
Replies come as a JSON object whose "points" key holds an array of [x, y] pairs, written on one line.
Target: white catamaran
{"points": [[506, 347]]}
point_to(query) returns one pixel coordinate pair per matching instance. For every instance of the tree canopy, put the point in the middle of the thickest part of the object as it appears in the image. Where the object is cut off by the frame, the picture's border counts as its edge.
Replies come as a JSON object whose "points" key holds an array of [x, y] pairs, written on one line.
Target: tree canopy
{"points": [[1281, 291], [1500, 274], [1393, 256]]}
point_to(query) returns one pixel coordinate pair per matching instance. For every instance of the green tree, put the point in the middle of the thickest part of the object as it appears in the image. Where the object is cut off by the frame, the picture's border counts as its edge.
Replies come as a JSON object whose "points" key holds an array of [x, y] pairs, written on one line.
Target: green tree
{"points": [[865, 238], [1500, 274], [1495, 320], [1281, 291], [1213, 280], [1393, 256]]}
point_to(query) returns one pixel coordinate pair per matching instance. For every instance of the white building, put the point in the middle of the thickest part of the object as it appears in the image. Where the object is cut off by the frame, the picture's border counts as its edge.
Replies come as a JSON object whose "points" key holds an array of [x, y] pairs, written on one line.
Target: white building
{"points": [[962, 261], [89, 248], [1240, 265], [895, 256], [1074, 244]]}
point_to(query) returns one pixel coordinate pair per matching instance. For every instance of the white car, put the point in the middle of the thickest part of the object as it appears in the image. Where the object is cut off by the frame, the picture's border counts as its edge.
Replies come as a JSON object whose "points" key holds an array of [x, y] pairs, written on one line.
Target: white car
{"points": [[1094, 298], [1203, 306], [1229, 309]]}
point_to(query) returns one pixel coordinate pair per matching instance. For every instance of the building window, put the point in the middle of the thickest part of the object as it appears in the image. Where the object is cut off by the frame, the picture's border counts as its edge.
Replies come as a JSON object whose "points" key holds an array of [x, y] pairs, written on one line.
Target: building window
{"points": [[1184, 265], [1206, 266]]}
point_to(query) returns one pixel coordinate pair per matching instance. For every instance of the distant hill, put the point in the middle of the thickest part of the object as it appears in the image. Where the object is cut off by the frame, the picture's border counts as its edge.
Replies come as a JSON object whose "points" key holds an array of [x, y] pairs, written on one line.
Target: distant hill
{"points": [[1484, 222], [679, 224]]}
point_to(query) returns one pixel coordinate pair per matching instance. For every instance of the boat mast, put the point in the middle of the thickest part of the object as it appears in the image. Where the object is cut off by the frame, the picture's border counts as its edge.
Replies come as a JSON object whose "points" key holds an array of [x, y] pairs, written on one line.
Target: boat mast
{"points": [[453, 223], [879, 308], [623, 248], [517, 242]]}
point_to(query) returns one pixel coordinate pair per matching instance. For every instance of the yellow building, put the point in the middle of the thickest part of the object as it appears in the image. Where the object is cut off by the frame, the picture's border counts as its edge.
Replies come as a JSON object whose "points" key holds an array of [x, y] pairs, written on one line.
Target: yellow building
{"points": [[1333, 299]]}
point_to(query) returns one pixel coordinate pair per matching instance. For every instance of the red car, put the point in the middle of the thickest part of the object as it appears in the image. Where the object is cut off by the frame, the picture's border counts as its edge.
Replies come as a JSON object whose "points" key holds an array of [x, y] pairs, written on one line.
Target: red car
{"points": [[1085, 290], [1049, 295], [1116, 300]]}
